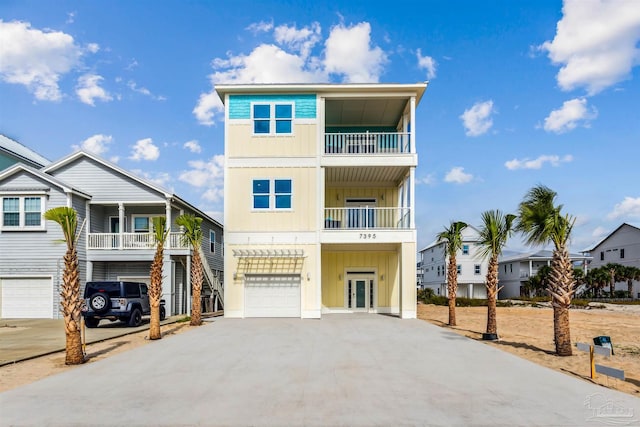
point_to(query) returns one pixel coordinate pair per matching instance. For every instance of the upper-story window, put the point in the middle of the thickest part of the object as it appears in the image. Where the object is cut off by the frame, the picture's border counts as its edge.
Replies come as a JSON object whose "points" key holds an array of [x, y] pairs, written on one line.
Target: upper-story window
{"points": [[22, 213], [622, 253], [465, 249], [142, 223], [476, 269], [272, 194], [459, 267], [272, 119], [212, 241], [601, 256]]}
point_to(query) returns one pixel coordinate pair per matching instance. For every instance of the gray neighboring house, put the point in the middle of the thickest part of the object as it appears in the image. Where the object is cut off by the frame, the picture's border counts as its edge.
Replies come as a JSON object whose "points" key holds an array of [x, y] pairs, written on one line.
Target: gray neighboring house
{"points": [[12, 152], [515, 269], [621, 246], [116, 243]]}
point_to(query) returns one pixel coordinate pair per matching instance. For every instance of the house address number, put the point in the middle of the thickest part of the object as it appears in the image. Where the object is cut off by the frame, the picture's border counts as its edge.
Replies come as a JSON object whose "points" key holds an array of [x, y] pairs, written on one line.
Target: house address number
{"points": [[367, 236]]}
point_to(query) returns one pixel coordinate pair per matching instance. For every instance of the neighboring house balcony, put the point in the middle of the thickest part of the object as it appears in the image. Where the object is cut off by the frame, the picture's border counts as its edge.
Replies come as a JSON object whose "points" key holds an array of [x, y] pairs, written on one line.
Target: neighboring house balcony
{"points": [[136, 241]]}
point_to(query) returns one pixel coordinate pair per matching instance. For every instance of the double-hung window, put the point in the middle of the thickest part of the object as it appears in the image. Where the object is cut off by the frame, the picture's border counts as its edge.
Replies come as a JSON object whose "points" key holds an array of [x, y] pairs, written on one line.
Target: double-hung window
{"points": [[270, 194], [272, 119], [22, 213], [212, 241]]}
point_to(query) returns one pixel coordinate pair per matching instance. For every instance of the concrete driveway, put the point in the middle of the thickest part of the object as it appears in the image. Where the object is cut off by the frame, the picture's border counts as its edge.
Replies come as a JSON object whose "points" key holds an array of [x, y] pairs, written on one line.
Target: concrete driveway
{"points": [[346, 370]]}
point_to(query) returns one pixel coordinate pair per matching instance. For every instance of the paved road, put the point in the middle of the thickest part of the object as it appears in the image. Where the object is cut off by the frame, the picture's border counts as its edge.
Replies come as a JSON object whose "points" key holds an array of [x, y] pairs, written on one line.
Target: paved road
{"points": [[339, 371]]}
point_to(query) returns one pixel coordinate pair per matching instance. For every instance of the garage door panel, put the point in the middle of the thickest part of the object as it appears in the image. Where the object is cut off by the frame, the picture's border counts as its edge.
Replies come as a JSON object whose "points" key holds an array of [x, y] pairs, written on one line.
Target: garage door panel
{"points": [[272, 295], [26, 298]]}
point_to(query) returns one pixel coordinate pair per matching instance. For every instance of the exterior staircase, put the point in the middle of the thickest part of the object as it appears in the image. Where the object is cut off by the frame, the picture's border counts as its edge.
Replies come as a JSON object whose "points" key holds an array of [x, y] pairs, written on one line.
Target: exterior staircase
{"points": [[212, 279]]}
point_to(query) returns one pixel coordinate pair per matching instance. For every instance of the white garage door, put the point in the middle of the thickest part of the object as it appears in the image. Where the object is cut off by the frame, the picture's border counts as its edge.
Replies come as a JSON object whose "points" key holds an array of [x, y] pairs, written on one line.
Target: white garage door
{"points": [[272, 295], [26, 298]]}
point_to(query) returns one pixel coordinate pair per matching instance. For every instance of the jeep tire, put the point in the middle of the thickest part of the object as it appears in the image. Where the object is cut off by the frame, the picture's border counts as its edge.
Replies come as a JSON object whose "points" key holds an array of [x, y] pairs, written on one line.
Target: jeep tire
{"points": [[100, 302], [91, 322], [136, 318], [163, 313]]}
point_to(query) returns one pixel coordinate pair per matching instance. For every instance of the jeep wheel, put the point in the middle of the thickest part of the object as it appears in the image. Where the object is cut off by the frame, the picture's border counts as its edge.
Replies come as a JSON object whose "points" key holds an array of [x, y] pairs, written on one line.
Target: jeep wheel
{"points": [[136, 318], [91, 322], [163, 313], [99, 302]]}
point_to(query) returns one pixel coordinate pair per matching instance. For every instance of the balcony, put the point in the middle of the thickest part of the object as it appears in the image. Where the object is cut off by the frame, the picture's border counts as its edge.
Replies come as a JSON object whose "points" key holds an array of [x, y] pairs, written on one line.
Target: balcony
{"points": [[117, 241], [367, 218], [367, 143]]}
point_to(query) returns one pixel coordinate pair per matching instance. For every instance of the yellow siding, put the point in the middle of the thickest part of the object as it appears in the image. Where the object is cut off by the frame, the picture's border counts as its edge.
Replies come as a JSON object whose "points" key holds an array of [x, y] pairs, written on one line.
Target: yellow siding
{"points": [[302, 216], [301, 143], [334, 265], [385, 197]]}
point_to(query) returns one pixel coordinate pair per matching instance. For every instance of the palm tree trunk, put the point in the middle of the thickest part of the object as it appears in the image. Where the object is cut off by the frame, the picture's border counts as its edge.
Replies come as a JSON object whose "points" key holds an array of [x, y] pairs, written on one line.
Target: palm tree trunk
{"points": [[71, 309], [630, 287], [492, 293], [452, 289], [196, 282], [561, 289], [155, 292]]}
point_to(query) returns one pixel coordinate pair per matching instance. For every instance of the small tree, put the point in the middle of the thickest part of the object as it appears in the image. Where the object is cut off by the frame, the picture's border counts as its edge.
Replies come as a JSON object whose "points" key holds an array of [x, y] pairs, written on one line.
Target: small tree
{"points": [[70, 301], [494, 233], [452, 237], [155, 289], [193, 236]]}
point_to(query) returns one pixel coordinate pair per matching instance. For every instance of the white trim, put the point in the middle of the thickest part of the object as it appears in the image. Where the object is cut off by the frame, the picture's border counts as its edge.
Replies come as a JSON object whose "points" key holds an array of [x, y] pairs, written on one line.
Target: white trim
{"points": [[24, 193], [272, 118], [127, 202], [243, 122], [267, 238], [361, 273], [22, 213], [271, 162], [214, 242], [272, 195]]}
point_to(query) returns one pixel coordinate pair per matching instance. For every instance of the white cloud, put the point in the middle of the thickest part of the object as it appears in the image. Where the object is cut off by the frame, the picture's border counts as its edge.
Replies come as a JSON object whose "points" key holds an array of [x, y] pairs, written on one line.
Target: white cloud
{"points": [[526, 163], [427, 63], [88, 89], [348, 52], [193, 146], [260, 27], [144, 91], [161, 179], [36, 59], [458, 176], [97, 144], [628, 208], [477, 119], [299, 40], [572, 113], [595, 43], [430, 179], [93, 47], [209, 108], [599, 232], [208, 176], [144, 149]]}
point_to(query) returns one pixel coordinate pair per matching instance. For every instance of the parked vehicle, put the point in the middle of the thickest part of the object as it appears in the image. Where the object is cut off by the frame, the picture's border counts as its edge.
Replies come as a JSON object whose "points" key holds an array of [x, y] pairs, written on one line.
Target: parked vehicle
{"points": [[117, 300]]}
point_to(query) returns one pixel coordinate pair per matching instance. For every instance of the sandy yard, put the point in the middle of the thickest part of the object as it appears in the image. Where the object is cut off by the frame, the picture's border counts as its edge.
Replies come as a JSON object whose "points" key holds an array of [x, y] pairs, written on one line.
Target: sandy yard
{"points": [[15, 375], [528, 333], [524, 331]]}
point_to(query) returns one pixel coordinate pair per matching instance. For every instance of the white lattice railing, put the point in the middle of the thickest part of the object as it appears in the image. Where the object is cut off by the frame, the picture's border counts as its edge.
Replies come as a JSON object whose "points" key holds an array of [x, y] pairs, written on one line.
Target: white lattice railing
{"points": [[111, 241], [367, 143]]}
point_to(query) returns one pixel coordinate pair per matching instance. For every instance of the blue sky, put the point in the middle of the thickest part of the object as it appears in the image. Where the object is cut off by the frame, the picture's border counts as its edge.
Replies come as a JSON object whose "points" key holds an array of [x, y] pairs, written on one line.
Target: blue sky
{"points": [[521, 92]]}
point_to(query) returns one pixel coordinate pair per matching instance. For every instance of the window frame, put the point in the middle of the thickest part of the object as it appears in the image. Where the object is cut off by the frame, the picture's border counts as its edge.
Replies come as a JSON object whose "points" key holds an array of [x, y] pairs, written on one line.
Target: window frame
{"points": [[272, 120], [149, 218], [477, 269], [465, 249], [22, 212], [212, 242], [272, 195]]}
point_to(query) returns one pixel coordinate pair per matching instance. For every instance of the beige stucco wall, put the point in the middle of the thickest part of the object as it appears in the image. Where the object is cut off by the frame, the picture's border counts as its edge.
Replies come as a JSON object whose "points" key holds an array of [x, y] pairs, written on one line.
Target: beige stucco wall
{"points": [[245, 144], [302, 216], [335, 264]]}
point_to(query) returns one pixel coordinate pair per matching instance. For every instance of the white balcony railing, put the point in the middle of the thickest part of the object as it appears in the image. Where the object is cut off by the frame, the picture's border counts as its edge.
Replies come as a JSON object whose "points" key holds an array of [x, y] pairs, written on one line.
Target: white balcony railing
{"points": [[367, 143], [360, 218], [113, 241]]}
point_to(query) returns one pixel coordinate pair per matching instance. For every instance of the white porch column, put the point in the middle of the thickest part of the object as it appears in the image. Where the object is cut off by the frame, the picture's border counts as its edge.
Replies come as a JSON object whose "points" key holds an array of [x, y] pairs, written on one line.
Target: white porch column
{"points": [[408, 303], [167, 210], [413, 125], [121, 225], [87, 224], [167, 267], [411, 199], [530, 268], [188, 282], [470, 290], [89, 277]]}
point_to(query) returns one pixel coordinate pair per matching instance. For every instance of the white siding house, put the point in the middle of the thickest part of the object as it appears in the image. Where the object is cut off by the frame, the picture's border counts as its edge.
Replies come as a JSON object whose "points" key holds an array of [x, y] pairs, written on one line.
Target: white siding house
{"points": [[472, 269], [621, 246], [116, 242]]}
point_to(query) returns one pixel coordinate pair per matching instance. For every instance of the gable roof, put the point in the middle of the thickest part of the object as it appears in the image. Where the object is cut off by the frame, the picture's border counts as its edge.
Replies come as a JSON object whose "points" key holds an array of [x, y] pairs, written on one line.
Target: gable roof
{"points": [[166, 193], [543, 254], [24, 154], [18, 167], [601, 241]]}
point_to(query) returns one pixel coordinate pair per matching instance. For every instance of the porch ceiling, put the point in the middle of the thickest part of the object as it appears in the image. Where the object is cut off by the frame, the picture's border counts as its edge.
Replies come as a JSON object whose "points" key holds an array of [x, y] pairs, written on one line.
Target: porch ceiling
{"points": [[368, 175], [360, 112]]}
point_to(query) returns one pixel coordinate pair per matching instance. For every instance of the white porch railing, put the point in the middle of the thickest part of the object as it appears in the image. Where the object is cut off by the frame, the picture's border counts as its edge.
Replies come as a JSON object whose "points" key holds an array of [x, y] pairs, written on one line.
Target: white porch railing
{"points": [[367, 143], [115, 241], [358, 218]]}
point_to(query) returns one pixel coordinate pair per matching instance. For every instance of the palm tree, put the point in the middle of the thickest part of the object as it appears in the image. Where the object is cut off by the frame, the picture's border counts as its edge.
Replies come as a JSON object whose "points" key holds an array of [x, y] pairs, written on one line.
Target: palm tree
{"points": [[155, 289], [494, 233], [193, 236], [452, 236], [542, 222], [616, 274], [631, 273], [597, 278], [70, 300]]}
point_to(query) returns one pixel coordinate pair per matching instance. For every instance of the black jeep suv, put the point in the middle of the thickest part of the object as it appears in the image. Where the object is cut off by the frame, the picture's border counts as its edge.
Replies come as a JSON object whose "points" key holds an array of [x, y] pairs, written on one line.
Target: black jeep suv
{"points": [[126, 301]]}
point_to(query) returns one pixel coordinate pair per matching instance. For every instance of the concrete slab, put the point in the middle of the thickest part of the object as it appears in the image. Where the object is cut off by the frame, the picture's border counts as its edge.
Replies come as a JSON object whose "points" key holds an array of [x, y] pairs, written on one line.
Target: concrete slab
{"points": [[341, 371]]}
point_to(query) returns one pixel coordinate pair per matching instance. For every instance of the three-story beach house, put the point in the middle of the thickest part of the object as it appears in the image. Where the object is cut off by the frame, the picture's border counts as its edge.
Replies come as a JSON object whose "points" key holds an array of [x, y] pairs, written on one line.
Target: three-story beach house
{"points": [[319, 199]]}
